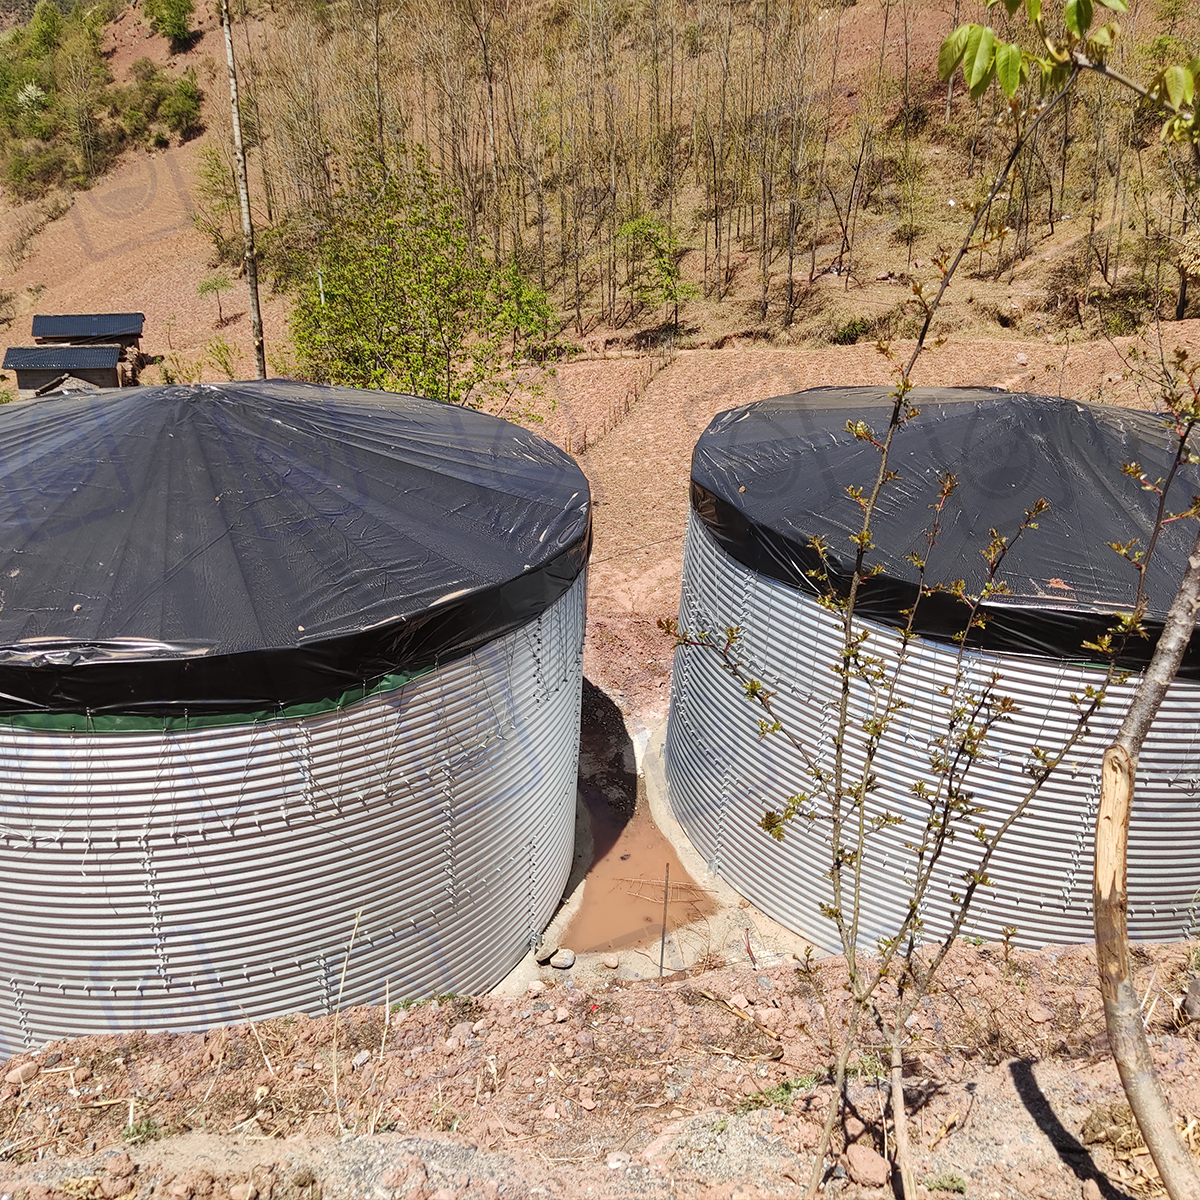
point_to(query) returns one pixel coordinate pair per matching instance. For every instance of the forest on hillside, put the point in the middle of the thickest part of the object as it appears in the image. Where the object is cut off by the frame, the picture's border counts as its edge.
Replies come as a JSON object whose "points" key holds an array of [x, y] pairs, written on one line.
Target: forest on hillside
{"points": [[629, 158], [591, 142]]}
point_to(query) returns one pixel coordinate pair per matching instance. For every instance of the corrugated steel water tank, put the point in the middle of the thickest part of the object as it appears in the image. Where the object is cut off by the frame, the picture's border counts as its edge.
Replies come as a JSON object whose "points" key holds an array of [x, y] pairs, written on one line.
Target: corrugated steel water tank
{"points": [[767, 479], [272, 654]]}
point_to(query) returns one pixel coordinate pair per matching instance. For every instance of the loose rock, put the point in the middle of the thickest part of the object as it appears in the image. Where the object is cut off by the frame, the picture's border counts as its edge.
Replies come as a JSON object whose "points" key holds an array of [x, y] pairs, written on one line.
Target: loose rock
{"points": [[22, 1074], [866, 1167], [611, 961], [1038, 1013], [563, 959], [120, 1166], [1191, 1001], [536, 987]]}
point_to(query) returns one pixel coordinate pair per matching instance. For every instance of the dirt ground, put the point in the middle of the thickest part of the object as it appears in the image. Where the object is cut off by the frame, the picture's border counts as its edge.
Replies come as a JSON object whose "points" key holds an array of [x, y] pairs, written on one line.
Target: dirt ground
{"points": [[626, 1089], [710, 1086]]}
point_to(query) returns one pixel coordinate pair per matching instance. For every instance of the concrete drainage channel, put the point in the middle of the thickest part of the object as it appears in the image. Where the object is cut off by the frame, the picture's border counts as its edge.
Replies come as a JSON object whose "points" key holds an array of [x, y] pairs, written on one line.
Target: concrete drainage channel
{"points": [[616, 889]]}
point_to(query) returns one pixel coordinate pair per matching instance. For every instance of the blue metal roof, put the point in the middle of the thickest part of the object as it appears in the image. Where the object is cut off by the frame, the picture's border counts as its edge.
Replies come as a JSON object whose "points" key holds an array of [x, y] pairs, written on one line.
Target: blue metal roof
{"points": [[88, 325], [60, 358]]}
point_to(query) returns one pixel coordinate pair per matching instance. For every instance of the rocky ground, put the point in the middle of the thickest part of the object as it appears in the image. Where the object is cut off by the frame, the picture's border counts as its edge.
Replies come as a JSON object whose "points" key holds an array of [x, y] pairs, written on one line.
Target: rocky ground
{"points": [[710, 1085]]}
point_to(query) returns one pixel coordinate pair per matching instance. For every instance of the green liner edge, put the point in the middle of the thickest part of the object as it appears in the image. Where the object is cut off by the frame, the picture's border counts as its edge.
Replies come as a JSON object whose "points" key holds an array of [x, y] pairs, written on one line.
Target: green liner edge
{"points": [[137, 723]]}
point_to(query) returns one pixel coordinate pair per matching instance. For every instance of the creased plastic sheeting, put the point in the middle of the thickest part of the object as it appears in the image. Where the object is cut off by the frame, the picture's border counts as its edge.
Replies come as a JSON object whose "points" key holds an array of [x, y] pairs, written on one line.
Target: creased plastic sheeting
{"points": [[769, 477], [171, 882], [236, 548], [722, 777]]}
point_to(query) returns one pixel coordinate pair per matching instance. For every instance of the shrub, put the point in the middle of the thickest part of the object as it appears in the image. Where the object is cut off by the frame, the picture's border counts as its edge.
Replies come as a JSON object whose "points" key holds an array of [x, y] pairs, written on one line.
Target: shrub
{"points": [[179, 110], [851, 332], [30, 172], [397, 296], [171, 18], [45, 29]]}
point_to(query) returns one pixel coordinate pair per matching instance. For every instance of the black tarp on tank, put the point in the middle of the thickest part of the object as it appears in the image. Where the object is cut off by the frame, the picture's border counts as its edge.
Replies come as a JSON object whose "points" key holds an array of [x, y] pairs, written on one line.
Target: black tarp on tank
{"points": [[214, 549], [769, 477]]}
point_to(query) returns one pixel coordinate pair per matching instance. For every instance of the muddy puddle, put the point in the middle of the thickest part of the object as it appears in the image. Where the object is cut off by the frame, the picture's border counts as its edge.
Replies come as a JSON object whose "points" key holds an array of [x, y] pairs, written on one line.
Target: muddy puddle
{"points": [[623, 901]]}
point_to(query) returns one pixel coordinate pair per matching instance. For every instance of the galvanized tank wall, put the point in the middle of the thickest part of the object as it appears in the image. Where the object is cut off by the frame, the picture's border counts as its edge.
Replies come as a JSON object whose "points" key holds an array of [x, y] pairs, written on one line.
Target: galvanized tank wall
{"points": [[174, 881], [722, 777]]}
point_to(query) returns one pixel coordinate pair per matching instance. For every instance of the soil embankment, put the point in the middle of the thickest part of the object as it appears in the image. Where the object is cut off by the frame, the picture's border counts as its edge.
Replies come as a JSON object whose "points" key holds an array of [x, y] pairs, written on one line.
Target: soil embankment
{"points": [[608, 1090]]}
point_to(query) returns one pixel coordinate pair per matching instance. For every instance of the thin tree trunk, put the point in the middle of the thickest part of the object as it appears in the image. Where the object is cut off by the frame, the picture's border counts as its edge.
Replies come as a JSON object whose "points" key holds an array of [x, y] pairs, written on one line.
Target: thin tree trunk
{"points": [[1122, 1010], [908, 1177], [1181, 305], [950, 82], [248, 255]]}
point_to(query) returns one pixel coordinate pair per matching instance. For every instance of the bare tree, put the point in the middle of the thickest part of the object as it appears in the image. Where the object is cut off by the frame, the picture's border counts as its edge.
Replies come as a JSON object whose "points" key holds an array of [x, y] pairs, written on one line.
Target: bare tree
{"points": [[249, 258]]}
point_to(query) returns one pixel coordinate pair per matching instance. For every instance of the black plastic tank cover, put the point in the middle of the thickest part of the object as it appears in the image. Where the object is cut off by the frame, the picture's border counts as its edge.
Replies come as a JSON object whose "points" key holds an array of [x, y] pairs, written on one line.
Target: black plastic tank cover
{"points": [[201, 550], [769, 478]]}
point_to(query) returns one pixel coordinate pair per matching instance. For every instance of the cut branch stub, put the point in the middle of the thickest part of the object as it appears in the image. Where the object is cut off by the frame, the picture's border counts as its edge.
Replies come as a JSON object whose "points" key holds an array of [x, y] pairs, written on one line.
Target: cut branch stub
{"points": [[1112, 839]]}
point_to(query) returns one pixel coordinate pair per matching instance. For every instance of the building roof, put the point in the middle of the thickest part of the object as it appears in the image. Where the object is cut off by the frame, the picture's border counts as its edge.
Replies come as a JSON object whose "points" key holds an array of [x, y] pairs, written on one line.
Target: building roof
{"points": [[60, 358], [94, 326]]}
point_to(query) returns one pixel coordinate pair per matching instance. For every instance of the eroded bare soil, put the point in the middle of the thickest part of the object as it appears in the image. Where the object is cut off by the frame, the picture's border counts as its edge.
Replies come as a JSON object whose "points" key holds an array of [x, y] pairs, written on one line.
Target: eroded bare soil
{"points": [[706, 1086]]}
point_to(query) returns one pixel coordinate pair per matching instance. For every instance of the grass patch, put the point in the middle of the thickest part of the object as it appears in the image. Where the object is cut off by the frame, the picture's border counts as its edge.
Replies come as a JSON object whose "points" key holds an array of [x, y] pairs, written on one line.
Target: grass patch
{"points": [[946, 1183], [140, 1132], [782, 1094]]}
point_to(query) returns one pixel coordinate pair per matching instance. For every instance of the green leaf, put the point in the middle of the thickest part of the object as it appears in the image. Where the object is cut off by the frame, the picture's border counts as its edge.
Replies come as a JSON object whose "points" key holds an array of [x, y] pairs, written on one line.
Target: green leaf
{"points": [[1179, 85], [950, 55], [979, 57], [1034, 9], [1077, 15], [1008, 67], [1100, 42], [1116, 5], [1012, 6], [986, 82]]}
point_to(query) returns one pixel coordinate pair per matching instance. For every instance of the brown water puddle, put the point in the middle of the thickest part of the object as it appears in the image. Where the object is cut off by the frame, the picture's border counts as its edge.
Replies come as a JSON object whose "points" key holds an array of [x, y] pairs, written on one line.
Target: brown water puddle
{"points": [[623, 901]]}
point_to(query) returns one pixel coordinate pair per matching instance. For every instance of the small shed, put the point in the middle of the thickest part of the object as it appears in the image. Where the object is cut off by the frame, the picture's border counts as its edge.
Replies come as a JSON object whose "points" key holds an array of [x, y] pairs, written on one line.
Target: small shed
{"points": [[39, 366], [89, 329]]}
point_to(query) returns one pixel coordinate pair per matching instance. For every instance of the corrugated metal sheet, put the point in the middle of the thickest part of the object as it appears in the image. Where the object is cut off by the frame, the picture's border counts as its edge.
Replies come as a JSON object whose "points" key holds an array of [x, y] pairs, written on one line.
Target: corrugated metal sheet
{"points": [[179, 881], [61, 358], [88, 326], [722, 776]]}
